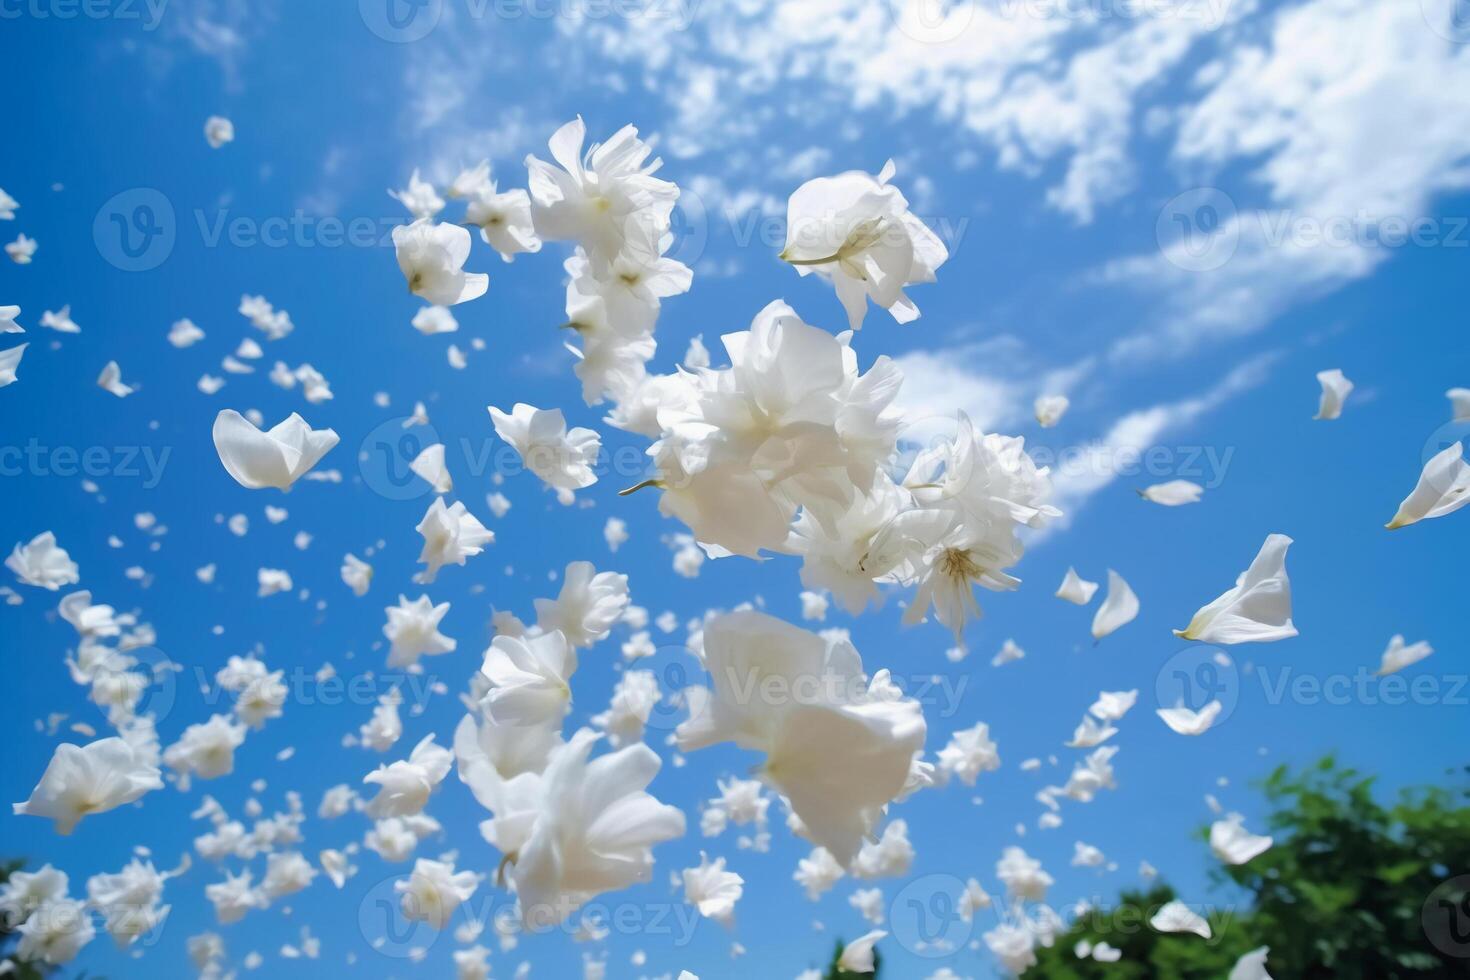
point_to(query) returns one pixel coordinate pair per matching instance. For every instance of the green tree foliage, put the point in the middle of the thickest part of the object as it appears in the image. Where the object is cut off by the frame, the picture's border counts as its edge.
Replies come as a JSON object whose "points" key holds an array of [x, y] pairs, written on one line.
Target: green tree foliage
{"points": [[1345, 893]]}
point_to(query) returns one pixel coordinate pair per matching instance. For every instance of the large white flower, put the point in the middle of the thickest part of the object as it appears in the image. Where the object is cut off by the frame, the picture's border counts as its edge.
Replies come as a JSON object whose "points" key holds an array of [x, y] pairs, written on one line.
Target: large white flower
{"points": [[82, 780], [562, 458], [1257, 610], [206, 750], [277, 457], [595, 831], [1443, 488], [432, 258], [529, 678], [713, 890], [595, 198], [434, 891], [589, 605], [405, 785], [837, 746], [856, 230], [451, 535]]}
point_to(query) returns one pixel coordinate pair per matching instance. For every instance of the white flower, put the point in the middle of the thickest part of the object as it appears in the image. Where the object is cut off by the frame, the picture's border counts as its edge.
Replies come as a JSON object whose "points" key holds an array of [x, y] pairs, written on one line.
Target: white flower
{"points": [[357, 574], [562, 458], [1443, 488], [615, 533], [433, 320], [596, 198], [21, 250], [589, 605], [8, 205], [1090, 734], [1118, 609], [890, 856], [1022, 875], [1185, 721], [385, 727], [1257, 610], [818, 872], [81, 780], [1086, 856], [336, 866], [60, 321], [8, 315], [972, 900], [1112, 705], [274, 458], [856, 230], [413, 630], [129, 901], [265, 318], [504, 220], [1251, 966], [218, 131], [262, 699], [471, 181], [1175, 493], [1335, 390], [595, 829], [233, 897], [1233, 844], [184, 333], [206, 750], [1178, 917], [713, 890], [838, 748], [420, 197], [272, 581], [110, 380], [24, 892], [857, 956], [634, 697], [407, 783], [285, 874], [1050, 409], [1009, 653], [9, 362], [529, 679], [432, 258], [392, 840], [1459, 400], [1399, 655], [969, 753], [1075, 589], [472, 963], [1013, 946], [434, 891], [451, 536], [43, 563], [56, 932]]}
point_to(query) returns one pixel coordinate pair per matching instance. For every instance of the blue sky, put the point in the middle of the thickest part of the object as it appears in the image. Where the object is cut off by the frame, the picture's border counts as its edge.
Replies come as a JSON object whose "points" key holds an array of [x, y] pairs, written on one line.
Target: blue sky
{"points": [[1055, 146]]}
